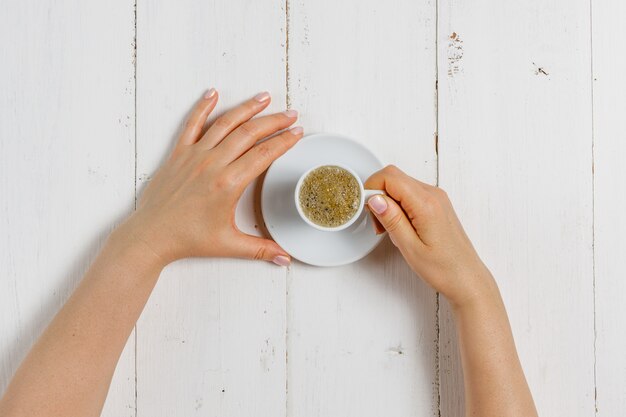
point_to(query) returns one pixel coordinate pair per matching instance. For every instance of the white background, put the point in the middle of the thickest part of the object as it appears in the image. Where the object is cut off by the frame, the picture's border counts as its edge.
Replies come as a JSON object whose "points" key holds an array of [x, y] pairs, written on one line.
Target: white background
{"points": [[516, 108]]}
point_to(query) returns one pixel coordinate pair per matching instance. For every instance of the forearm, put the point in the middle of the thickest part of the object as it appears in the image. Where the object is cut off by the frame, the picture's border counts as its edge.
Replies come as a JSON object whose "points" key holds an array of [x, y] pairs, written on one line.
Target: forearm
{"points": [[422, 223], [494, 380], [69, 369], [187, 210]]}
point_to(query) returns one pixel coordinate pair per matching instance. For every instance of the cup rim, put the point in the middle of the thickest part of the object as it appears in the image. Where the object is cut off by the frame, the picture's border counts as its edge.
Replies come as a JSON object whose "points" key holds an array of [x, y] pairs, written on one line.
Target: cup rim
{"points": [[345, 225]]}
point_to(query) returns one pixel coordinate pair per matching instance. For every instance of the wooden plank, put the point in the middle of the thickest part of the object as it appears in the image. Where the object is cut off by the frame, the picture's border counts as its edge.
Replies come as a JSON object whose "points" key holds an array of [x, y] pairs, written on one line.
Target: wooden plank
{"points": [[515, 156], [212, 338], [361, 338], [66, 162], [609, 92]]}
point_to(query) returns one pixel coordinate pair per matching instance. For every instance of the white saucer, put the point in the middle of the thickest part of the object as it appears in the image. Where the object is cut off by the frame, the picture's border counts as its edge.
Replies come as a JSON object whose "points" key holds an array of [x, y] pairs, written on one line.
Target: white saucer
{"points": [[303, 242]]}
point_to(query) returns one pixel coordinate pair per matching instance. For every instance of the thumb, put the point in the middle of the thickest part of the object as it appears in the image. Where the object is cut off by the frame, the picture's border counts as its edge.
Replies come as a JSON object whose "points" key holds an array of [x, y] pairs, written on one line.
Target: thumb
{"points": [[395, 222], [252, 247]]}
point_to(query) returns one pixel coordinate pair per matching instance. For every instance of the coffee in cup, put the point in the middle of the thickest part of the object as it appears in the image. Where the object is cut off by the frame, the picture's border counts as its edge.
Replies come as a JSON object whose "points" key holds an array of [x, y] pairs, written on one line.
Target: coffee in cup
{"points": [[330, 197]]}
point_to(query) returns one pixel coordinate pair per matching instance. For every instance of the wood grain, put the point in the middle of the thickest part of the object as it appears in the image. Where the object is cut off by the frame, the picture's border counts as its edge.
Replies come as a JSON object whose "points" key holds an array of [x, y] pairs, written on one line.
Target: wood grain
{"points": [[212, 338], [609, 104], [66, 162], [361, 338], [515, 156]]}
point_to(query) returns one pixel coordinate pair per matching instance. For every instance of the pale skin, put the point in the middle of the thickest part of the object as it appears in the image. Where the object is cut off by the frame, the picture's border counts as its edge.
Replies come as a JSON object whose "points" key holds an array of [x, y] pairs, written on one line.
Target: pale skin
{"points": [[422, 224], [188, 209]]}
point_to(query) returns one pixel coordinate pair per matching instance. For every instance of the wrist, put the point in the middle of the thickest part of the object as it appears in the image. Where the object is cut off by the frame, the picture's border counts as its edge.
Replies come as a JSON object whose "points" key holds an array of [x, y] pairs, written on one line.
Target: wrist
{"points": [[481, 289], [128, 243]]}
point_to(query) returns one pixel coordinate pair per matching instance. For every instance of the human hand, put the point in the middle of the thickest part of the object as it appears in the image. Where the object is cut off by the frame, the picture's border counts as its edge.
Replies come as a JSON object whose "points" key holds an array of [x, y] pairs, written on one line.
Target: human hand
{"points": [[422, 223], [188, 208]]}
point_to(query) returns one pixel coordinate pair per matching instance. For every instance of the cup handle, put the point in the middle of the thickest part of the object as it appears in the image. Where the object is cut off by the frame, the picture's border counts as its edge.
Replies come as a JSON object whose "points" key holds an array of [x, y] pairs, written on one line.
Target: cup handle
{"points": [[367, 194]]}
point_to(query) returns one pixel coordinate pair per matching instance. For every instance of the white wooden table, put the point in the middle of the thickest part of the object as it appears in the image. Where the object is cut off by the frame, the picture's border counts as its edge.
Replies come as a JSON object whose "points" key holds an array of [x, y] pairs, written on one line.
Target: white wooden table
{"points": [[516, 108]]}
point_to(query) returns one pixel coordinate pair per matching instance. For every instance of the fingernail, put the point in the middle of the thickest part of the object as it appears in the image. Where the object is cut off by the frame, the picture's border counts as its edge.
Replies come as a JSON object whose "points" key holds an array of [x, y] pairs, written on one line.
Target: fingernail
{"points": [[378, 204], [290, 113], [210, 93], [281, 260], [296, 130], [261, 97]]}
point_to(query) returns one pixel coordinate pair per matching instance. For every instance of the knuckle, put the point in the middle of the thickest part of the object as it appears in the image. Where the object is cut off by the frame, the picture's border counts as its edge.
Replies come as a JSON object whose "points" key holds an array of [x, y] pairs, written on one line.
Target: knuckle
{"points": [[264, 150], [284, 142], [249, 129], [260, 253], [223, 122], [394, 221], [392, 169], [225, 182]]}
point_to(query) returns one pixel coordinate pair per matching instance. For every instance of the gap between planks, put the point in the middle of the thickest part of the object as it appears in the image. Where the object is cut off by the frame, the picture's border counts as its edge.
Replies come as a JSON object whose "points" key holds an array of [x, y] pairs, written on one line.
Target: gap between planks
{"points": [[436, 144], [288, 271], [134, 61], [593, 212]]}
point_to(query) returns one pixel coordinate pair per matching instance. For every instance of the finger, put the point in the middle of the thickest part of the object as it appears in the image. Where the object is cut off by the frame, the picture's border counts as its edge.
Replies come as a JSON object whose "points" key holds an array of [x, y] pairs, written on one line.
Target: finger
{"points": [[396, 183], [252, 164], [231, 120], [252, 247], [378, 228], [197, 118], [395, 222], [416, 199], [245, 136]]}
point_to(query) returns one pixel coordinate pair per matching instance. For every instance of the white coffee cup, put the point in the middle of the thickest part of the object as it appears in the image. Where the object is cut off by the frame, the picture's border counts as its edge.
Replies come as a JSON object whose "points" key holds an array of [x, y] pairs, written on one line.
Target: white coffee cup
{"points": [[365, 195]]}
